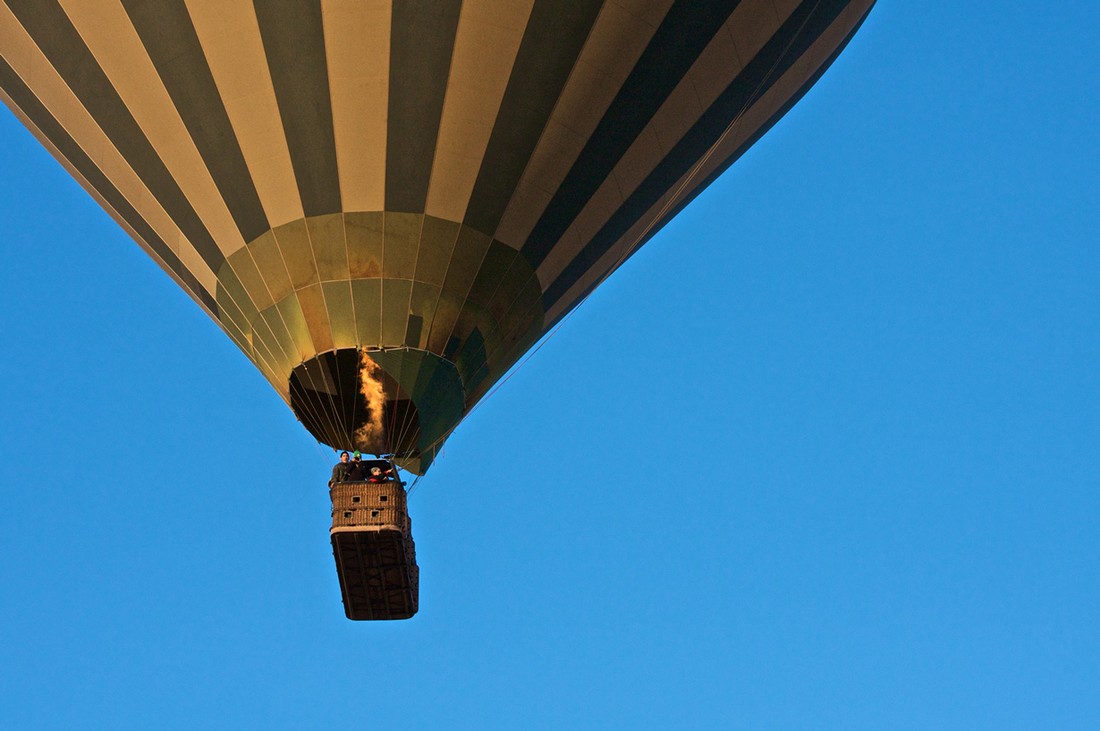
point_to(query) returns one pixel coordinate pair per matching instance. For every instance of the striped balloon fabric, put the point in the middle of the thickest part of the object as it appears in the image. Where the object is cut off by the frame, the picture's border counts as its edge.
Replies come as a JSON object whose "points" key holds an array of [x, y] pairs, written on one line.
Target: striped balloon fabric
{"points": [[385, 204]]}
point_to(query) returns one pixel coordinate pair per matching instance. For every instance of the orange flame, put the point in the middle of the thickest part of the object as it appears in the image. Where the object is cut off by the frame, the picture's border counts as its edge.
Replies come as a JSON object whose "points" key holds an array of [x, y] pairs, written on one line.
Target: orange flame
{"points": [[371, 436]]}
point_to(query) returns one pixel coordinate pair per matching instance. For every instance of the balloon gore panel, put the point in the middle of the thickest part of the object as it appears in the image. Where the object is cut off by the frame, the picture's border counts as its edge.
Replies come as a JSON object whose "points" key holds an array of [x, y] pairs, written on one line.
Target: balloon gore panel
{"points": [[385, 209]]}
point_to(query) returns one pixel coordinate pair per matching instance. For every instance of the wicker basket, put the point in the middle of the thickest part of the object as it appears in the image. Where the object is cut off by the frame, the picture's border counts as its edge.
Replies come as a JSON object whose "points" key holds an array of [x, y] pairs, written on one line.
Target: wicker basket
{"points": [[374, 550]]}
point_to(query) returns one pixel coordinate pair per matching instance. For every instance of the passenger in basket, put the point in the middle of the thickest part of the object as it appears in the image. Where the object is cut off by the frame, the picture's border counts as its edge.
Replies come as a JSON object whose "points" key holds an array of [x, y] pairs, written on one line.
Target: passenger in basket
{"points": [[358, 471], [341, 471], [378, 475]]}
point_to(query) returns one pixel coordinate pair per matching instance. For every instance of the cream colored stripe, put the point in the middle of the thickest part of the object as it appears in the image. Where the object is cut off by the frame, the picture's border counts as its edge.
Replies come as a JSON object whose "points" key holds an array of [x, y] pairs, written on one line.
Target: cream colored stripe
{"points": [[256, 358], [357, 44], [488, 37], [230, 38], [270, 362], [23, 56], [109, 34], [617, 40], [255, 348], [769, 103], [752, 23], [783, 8], [781, 91], [32, 66], [83, 182], [607, 263], [106, 29], [714, 69]]}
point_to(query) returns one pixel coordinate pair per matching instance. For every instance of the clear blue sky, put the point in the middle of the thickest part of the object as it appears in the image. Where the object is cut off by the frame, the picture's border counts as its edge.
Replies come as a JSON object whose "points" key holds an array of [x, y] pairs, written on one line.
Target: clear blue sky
{"points": [[846, 475]]}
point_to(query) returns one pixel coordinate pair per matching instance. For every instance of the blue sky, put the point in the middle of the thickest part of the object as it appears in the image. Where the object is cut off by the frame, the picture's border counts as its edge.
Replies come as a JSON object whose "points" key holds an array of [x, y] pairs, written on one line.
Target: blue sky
{"points": [[843, 476]]}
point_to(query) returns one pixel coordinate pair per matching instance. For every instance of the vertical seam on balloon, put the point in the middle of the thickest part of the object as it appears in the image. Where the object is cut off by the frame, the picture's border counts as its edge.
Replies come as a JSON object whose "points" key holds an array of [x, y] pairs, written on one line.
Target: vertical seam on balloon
{"points": [[301, 356], [337, 412]]}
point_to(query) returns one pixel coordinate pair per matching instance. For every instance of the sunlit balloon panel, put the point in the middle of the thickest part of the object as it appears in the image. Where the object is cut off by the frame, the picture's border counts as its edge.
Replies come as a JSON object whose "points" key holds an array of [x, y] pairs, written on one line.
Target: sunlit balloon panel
{"points": [[435, 184]]}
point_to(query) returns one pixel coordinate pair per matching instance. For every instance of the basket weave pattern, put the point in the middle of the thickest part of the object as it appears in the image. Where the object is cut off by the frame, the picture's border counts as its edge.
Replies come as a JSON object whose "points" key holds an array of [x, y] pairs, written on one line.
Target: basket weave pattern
{"points": [[364, 504], [374, 550]]}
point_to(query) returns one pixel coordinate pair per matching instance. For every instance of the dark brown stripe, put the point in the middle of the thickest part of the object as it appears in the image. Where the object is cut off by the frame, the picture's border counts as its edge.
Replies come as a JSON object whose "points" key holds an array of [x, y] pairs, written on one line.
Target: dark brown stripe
{"points": [[556, 32], [165, 29], [294, 42], [41, 118], [683, 35], [55, 35], [760, 132], [422, 36], [794, 37]]}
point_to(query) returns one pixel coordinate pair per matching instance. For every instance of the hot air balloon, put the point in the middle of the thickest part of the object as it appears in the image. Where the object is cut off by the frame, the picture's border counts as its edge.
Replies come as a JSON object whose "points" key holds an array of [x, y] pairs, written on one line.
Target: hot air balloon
{"points": [[386, 204]]}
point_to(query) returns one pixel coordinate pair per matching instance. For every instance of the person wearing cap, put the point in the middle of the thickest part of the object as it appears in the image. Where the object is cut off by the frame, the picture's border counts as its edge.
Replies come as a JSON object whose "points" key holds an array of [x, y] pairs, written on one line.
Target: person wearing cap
{"points": [[341, 472], [358, 471]]}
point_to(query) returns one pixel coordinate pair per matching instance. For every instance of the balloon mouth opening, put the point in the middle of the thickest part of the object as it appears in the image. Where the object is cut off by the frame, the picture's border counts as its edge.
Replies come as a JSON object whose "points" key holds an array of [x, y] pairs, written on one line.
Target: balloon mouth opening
{"points": [[348, 402]]}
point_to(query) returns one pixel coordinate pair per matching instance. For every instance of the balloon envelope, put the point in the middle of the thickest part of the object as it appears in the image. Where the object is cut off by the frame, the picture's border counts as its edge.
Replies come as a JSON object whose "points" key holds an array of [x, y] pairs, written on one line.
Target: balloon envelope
{"points": [[383, 204]]}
